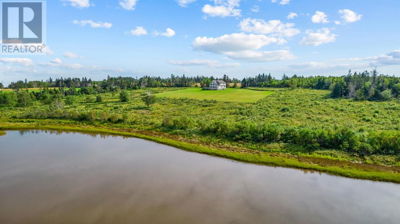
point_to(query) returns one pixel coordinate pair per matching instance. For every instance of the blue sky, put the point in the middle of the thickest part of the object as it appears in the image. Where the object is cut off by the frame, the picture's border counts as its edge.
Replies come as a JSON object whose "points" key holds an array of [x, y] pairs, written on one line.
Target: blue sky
{"points": [[96, 38]]}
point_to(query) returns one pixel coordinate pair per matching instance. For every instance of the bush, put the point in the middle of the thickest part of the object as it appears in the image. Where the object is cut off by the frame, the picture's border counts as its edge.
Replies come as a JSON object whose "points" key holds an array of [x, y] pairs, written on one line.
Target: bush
{"points": [[8, 99], [90, 99], [99, 99], [124, 96], [148, 99], [69, 100], [344, 139], [24, 99], [387, 94]]}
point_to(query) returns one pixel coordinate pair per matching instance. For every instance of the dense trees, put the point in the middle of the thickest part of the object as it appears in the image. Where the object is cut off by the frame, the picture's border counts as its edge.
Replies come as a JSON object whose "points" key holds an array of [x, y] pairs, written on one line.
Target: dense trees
{"points": [[317, 82], [358, 86], [367, 86], [88, 86]]}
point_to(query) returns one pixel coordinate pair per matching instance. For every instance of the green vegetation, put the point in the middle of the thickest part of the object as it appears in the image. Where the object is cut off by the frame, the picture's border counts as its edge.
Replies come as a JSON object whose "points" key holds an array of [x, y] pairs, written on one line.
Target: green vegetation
{"points": [[359, 86], [302, 128], [88, 86], [148, 98], [99, 99], [124, 96], [2, 133], [228, 95], [341, 168]]}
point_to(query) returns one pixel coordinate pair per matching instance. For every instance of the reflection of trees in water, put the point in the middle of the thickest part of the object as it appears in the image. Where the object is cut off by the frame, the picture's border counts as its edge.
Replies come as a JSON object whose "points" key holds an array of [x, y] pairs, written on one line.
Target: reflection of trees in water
{"points": [[60, 132]]}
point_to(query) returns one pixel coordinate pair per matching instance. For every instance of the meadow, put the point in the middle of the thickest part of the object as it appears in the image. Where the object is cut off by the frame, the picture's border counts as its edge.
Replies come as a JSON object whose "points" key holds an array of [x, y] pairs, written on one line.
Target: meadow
{"points": [[227, 95], [285, 127]]}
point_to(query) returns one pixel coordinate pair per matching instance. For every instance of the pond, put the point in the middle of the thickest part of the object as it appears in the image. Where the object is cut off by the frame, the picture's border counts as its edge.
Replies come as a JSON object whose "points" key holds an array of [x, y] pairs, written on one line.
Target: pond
{"points": [[50, 177]]}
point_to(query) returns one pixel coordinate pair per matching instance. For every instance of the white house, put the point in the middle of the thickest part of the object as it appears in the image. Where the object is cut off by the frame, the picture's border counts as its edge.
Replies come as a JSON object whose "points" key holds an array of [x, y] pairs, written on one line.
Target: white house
{"points": [[217, 85]]}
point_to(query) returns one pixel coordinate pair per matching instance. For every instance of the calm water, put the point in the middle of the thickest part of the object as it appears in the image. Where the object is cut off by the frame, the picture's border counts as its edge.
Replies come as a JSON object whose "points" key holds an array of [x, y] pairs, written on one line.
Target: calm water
{"points": [[76, 178]]}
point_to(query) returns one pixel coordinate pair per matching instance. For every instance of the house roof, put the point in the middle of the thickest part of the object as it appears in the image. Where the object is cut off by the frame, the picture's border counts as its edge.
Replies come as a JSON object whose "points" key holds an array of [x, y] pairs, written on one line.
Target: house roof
{"points": [[220, 82]]}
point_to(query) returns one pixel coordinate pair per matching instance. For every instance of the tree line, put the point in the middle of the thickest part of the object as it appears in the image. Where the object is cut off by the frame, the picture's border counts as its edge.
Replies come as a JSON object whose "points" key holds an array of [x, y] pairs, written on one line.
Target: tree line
{"points": [[359, 86], [115, 83]]}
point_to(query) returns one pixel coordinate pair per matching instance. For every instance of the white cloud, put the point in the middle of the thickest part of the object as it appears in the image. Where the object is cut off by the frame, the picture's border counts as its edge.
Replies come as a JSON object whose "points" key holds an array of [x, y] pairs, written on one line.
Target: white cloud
{"points": [[168, 33], [20, 61], [78, 3], [292, 15], [233, 42], [261, 56], [201, 62], [242, 46], [319, 17], [93, 24], [281, 2], [272, 27], [128, 4], [349, 16], [56, 61], [222, 8], [184, 3], [394, 54], [73, 66], [70, 55], [139, 31], [391, 58], [330, 66], [319, 37]]}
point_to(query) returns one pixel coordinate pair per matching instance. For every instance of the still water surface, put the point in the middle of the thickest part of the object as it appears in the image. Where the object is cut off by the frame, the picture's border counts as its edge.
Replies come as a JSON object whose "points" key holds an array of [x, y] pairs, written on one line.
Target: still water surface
{"points": [[77, 178]]}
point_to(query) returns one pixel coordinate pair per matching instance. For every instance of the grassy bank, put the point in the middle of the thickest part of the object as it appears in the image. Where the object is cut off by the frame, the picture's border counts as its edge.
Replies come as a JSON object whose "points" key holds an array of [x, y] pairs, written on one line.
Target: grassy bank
{"points": [[335, 167]]}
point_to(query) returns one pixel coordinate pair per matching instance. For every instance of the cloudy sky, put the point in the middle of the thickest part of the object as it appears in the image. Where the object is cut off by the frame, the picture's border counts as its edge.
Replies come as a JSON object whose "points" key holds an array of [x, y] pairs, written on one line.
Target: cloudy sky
{"points": [[96, 38]]}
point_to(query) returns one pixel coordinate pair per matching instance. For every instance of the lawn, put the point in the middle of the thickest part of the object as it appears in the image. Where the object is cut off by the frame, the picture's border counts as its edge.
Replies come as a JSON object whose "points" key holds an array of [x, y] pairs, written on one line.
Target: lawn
{"points": [[228, 95]]}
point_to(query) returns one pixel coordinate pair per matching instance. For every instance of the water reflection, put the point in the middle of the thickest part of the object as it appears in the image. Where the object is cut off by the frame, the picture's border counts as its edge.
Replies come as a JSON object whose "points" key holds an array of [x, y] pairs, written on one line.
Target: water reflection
{"points": [[56, 177]]}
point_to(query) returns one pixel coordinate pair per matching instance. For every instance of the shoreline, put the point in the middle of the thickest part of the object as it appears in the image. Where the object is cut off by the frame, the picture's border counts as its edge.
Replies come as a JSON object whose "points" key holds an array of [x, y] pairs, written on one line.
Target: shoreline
{"points": [[256, 157]]}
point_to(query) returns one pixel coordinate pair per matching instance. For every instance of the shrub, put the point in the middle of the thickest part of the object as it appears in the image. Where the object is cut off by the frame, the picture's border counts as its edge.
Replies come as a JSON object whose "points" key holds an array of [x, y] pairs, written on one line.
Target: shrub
{"points": [[387, 94], [148, 99], [69, 100], [99, 99], [124, 96], [24, 99], [8, 99]]}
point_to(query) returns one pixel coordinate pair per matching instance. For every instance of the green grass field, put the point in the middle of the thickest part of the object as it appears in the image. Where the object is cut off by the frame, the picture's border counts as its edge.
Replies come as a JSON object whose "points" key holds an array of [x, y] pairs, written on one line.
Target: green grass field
{"points": [[228, 95]]}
